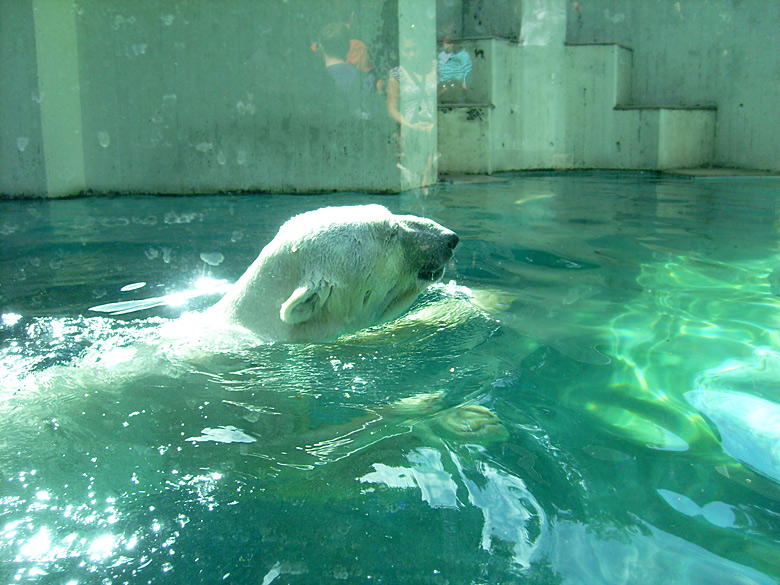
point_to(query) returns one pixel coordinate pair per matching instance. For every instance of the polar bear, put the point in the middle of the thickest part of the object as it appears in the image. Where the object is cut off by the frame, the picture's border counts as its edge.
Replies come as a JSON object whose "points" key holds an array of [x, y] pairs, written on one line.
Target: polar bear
{"points": [[336, 270]]}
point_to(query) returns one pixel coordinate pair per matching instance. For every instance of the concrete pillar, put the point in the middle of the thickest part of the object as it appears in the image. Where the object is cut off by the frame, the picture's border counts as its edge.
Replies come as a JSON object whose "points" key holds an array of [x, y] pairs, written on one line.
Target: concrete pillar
{"points": [[541, 69], [58, 89], [22, 169]]}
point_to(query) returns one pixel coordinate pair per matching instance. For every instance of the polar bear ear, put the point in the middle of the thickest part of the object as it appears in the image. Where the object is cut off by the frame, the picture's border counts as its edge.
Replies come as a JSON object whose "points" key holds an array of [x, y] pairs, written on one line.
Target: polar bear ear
{"points": [[305, 302]]}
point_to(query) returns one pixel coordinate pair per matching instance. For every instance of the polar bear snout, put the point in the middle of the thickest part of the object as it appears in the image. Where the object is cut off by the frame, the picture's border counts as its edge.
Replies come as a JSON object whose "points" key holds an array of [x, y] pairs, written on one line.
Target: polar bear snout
{"points": [[435, 255]]}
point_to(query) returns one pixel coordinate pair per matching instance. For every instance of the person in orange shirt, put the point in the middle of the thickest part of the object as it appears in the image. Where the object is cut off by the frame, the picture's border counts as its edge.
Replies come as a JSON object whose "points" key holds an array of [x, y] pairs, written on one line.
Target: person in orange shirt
{"points": [[358, 53], [334, 45]]}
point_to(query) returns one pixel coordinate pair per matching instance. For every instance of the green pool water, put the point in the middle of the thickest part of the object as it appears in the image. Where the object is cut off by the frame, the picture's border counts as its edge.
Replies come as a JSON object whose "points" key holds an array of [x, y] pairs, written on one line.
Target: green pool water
{"points": [[598, 401]]}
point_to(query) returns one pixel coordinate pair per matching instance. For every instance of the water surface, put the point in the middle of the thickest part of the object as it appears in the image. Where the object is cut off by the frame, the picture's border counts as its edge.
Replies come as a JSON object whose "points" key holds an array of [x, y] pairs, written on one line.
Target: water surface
{"points": [[610, 413]]}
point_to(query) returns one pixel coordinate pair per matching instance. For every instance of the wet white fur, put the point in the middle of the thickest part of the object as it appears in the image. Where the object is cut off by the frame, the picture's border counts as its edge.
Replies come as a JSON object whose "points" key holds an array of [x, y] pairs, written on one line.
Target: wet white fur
{"points": [[333, 271]]}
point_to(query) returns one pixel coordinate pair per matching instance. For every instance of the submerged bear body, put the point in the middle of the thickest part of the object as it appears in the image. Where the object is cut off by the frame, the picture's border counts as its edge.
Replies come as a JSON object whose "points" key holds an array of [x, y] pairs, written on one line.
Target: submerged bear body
{"points": [[334, 271]]}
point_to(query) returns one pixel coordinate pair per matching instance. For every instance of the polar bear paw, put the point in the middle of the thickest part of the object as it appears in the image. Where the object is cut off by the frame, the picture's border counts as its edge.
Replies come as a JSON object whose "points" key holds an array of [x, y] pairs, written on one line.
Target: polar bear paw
{"points": [[471, 421]]}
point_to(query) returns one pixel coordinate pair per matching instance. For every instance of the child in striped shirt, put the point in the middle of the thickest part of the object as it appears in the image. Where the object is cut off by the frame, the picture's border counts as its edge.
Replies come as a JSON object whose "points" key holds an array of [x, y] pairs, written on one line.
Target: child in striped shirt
{"points": [[454, 67]]}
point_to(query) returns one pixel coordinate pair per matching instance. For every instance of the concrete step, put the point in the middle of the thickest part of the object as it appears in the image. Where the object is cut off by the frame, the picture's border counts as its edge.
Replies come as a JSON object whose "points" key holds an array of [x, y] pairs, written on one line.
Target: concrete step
{"points": [[535, 107], [464, 138], [664, 138]]}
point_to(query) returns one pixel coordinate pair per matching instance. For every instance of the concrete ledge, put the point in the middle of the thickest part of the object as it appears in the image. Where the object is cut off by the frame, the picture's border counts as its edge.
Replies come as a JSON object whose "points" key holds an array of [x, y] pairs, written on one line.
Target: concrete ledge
{"points": [[637, 107], [719, 173], [445, 105], [467, 179], [487, 38], [598, 45]]}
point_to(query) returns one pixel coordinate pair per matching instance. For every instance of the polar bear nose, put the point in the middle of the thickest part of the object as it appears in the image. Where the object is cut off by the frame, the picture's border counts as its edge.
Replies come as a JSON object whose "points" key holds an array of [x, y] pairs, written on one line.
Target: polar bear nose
{"points": [[452, 241]]}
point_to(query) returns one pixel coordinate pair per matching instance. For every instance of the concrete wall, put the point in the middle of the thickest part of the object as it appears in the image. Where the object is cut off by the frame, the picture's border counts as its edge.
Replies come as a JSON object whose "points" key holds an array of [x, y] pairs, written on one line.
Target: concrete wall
{"points": [[22, 167], [685, 53], [187, 96], [692, 52], [492, 18], [196, 96]]}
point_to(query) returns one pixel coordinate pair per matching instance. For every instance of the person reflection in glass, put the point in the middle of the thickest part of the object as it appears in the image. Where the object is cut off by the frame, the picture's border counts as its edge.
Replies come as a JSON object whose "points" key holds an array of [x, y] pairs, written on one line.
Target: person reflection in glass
{"points": [[454, 66], [412, 86], [411, 101], [334, 46]]}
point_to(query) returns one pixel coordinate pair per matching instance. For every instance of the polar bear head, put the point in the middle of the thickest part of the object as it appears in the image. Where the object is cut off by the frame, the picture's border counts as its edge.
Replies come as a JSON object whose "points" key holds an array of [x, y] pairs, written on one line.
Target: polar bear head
{"points": [[337, 270]]}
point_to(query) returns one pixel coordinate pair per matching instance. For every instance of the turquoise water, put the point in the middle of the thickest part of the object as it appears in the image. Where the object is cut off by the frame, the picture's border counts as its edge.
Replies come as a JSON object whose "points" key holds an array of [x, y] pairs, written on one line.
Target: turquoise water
{"points": [[598, 401]]}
